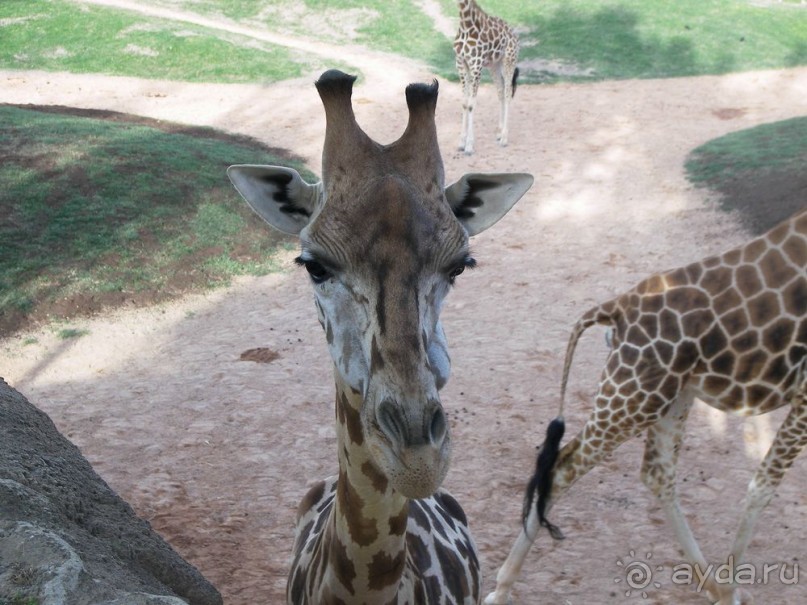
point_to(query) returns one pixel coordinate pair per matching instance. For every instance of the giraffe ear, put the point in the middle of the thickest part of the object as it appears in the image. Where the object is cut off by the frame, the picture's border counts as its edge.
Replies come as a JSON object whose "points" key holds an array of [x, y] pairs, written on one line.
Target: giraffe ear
{"points": [[479, 200], [278, 195]]}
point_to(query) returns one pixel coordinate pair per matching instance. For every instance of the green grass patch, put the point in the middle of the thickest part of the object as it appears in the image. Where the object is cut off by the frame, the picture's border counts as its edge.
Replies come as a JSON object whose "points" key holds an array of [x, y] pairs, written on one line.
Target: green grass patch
{"points": [[96, 212], [561, 39], [614, 39], [59, 35], [758, 172]]}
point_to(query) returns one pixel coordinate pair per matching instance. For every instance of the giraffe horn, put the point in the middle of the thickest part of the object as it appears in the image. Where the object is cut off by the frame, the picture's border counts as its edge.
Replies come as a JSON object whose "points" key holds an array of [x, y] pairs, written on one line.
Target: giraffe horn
{"points": [[421, 99], [419, 140], [342, 132]]}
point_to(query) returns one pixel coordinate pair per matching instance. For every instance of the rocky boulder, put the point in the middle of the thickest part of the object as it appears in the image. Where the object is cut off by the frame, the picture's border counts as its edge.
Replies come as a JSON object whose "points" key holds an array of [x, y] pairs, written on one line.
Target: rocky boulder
{"points": [[65, 537]]}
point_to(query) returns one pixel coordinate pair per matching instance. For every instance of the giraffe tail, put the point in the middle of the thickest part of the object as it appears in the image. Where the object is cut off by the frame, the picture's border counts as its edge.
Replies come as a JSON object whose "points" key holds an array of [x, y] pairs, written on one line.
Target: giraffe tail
{"points": [[541, 483], [515, 82]]}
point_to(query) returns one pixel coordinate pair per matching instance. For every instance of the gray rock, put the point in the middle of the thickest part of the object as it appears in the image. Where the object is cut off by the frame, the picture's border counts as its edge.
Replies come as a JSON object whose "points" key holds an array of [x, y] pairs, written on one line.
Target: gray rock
{"points": [[65, 537]]}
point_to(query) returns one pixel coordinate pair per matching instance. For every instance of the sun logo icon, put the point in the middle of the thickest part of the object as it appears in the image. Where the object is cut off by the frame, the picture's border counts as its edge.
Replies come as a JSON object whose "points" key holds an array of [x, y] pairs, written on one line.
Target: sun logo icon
{"points": [[638, 575]]}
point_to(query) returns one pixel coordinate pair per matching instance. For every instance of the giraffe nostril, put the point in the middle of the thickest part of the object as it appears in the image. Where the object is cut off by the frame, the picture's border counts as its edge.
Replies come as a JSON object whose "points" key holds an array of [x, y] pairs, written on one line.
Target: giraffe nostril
{"points": [[390, 421], [438, 427]]}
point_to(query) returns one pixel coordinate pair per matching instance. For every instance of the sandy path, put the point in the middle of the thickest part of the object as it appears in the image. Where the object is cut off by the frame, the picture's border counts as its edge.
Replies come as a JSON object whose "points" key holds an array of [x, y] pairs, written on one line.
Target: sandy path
{"points": [[217, 452]]}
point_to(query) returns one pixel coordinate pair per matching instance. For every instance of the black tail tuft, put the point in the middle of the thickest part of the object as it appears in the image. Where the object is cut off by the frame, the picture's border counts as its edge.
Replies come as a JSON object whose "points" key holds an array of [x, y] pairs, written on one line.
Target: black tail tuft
{"points": [[541, 481], [515, 81]]}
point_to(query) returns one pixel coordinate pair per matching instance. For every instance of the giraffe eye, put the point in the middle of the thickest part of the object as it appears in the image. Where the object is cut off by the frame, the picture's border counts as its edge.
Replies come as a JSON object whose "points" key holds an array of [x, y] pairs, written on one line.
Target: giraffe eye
{"points": [[455, 272], [466, 263], [316, 270]]}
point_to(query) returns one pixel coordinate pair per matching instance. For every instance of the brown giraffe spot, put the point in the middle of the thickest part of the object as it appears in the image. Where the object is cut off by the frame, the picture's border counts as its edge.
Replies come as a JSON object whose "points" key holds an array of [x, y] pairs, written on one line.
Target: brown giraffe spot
{"points": [[694, 273], [651, 285], [685, 357], [397, 524], [343, 567], [652, 304], [777, 235], [670, 326], [313, 496], [352, 420], [796, 250], [754, 250], [778, 336], [776, 269], [637, 336], [716, 385], [378, 480], [723, 363], [713, 342], [732, 258], [363, 530], [385, 570], [717, 280], [456, 583], [748, 280], [794, 298], [650, 325], [452, 508], [777, 370], [750, 366], [419, 552], [670, 387], [757, 393], [711, 262], [417, 514]]}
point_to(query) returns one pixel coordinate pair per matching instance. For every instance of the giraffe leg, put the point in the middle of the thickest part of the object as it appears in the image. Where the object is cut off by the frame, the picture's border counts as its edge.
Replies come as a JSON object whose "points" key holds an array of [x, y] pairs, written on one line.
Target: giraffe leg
{"points": [[462, 70], [470, 89], [790, 441], [598, 439], [658, 474], [497, 74], [504, 97]]}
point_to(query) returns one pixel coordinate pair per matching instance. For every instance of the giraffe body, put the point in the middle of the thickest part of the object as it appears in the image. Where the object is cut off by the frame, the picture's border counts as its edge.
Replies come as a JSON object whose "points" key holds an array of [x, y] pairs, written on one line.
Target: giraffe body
{"points": [[382, 239], [730, 330], [484, 41]]}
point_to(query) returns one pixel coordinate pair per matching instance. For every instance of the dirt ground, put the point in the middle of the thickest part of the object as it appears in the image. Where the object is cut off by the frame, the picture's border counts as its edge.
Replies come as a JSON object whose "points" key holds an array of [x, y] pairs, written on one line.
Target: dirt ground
{"points": [[216, 451]]}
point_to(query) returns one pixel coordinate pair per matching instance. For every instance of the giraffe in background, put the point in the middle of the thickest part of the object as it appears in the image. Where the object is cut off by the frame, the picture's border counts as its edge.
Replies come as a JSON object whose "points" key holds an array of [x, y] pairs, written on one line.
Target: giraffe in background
{"points": [[382, 240], [484, 41]]}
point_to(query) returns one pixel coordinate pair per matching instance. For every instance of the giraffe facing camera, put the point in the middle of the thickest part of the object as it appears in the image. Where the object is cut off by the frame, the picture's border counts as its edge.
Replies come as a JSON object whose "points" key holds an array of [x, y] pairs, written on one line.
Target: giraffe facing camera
{"points": [[484, 41], [382, 239], [730, 330]]}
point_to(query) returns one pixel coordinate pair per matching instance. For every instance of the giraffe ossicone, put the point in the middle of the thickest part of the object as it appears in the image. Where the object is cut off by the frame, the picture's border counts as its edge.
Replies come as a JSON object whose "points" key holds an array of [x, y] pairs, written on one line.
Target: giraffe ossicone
{"points": [[730, 330], [382, 239], [484, 41]]}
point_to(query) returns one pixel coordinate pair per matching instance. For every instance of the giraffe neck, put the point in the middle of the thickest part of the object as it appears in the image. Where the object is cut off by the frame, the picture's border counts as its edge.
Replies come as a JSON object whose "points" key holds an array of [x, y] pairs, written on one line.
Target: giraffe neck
{"points": [[470, 11], [368, 544]]}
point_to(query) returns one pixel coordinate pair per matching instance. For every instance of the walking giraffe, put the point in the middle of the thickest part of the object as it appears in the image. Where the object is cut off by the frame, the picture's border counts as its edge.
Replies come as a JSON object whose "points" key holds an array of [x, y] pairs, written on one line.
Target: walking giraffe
{"points": [[730, 330], [382, 241], [484, 41]]}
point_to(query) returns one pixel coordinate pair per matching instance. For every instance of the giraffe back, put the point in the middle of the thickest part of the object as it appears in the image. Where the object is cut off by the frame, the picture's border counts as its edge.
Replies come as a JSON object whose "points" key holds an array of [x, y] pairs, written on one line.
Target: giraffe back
{"points": [[733, 326]]}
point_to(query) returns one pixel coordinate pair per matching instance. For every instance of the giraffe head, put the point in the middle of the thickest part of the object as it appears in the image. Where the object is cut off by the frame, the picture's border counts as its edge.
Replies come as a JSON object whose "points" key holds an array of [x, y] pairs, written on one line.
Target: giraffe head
{"points": [[383, 240]]}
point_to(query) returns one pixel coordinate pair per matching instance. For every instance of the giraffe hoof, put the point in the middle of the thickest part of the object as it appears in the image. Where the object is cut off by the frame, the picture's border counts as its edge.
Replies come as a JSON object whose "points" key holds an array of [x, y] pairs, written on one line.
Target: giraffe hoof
{"points": [[493, 599]]}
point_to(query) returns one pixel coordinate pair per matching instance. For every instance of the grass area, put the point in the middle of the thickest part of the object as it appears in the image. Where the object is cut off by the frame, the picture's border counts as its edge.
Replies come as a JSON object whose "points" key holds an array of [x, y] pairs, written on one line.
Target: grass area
{"points": [[652, 38], [561, 39], [94, 211], [758, 172], [58, 35]]}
